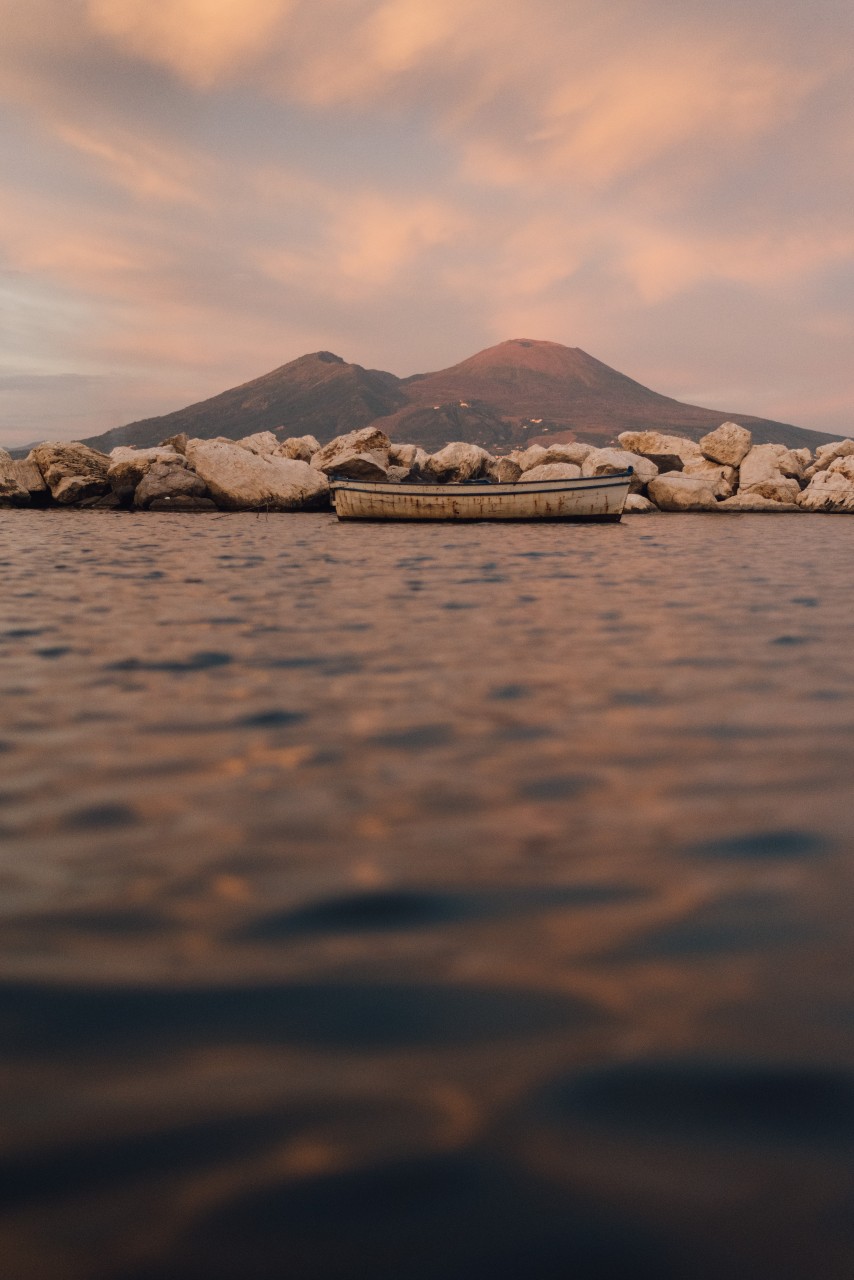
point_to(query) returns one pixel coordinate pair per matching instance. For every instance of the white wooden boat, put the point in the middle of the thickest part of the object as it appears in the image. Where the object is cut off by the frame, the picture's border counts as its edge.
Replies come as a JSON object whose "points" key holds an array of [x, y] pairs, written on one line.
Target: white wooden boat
{"points": [[586, 498]]}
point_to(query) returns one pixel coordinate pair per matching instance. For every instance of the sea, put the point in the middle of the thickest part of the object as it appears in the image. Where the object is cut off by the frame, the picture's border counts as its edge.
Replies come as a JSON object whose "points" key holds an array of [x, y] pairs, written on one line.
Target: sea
{"points": [[438, 902]]}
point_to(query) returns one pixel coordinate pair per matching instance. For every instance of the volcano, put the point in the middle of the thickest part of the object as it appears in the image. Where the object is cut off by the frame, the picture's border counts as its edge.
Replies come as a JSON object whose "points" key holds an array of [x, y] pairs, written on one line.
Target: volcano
{"points": [[516, 393]]}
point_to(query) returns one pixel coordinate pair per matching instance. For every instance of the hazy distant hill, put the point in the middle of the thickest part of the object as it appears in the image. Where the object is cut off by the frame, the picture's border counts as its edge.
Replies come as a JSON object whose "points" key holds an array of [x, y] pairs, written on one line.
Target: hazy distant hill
{"points": [[517, 392]]}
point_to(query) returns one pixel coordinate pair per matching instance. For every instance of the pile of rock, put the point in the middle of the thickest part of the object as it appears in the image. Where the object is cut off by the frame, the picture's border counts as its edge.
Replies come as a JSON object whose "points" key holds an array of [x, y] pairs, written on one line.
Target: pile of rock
{"points": [[725, 471]]}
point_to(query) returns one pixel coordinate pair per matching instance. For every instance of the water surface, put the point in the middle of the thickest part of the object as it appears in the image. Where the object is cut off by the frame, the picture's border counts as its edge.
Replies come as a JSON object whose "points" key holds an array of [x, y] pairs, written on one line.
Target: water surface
{"points": [[427, 901]]}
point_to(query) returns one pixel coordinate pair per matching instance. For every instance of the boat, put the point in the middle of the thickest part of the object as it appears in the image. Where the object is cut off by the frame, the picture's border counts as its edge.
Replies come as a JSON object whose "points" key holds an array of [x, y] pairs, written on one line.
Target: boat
{"points": [[591, 498]]}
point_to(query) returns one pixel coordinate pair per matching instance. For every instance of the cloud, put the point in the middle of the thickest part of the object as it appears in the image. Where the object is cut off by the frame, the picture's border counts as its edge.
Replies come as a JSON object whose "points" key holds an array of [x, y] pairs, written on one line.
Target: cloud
{"points": [[219, 184], [146, 169], [202, 40]]}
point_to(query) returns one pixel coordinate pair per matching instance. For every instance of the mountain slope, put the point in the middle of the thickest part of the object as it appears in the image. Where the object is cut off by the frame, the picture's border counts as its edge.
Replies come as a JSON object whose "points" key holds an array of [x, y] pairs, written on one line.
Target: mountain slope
{"points": [[317, 394], [518, 392], [546, 391]]}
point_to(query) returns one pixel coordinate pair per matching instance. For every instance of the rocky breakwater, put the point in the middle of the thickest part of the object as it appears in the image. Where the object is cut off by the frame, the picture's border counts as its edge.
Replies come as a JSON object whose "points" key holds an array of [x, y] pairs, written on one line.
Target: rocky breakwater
{"points": [[723, 472], [726, 472]]}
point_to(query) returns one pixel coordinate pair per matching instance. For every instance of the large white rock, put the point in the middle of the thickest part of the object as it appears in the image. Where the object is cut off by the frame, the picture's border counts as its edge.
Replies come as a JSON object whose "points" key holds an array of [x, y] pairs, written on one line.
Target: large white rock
{"points": [[360, 455], [674, 491], [537, 455], [551, 471], [172, 479], [72, 471], [828, 491], [722, 480], [770, 471], [397, 475], [792, 462], [527, 458], [456, 462], [574, 451], [402, 455], [660, 448], [826, 455], [843, 466], [243, 481], [358, 466], [26, 472], [128, 466], [28, 476], [303, 448], [727, 444], [502, 470], [638, 505], [754, 502], [607, 462], [263, 442], [12, 492], [177, 442]]}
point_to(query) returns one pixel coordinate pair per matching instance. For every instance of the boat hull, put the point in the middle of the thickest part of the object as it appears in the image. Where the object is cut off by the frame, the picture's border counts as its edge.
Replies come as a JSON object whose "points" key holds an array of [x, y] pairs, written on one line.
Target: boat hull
{"points": [[594, 498]]}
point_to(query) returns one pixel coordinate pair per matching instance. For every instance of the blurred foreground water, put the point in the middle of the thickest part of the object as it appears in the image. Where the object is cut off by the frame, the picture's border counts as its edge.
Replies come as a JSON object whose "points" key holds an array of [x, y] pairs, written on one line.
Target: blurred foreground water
{"points": [[449, 903]]}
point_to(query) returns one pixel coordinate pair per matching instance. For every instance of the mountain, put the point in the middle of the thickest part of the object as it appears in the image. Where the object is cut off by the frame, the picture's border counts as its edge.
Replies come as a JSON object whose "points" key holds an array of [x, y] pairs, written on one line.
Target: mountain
{"points": [[319, 395], [546, 391], [519, 392]]}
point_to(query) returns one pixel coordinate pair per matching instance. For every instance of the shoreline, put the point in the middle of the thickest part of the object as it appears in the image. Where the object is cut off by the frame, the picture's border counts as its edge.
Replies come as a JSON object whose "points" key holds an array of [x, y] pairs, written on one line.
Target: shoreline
{"points": [[723, 472]]}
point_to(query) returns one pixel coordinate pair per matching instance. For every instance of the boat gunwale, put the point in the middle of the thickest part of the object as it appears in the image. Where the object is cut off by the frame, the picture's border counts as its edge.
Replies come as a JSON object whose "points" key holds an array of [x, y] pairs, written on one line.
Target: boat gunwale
{"points": [[475, 487]]}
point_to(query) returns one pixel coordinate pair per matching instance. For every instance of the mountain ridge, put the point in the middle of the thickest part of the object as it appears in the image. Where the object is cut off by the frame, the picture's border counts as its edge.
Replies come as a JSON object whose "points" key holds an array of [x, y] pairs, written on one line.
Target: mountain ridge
{"points": [[518, 392]]}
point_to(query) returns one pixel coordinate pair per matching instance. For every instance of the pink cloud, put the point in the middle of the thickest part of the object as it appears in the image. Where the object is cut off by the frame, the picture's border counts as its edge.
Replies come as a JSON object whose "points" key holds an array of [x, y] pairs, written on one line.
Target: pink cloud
{"points": [[223, 186]]}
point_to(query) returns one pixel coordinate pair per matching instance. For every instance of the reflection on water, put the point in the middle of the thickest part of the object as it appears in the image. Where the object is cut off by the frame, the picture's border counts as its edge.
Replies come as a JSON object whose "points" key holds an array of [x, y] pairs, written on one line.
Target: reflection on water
{"points": [[434, 902]]}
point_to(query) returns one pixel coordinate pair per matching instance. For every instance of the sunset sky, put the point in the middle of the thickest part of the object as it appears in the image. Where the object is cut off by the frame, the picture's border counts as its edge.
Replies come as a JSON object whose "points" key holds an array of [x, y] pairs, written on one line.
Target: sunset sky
{"points": [[197, 191]]}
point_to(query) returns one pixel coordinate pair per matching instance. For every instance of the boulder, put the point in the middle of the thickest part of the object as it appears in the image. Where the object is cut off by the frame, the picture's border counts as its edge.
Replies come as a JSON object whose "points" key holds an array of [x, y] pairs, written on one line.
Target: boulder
{"points": [[263, 442], [402, 455], [770, 470], [421, 459], [303, 448], [674, 491], [843, 466], [502, 470], [178, 442], [72, 471], [727, 444], [169, 480], [826, 454], [357, 466], [128, 466], [12, 492], [572, 452], [606, 462], [828, 491], [721, 479], [638, 505], [397, 475], [660, 448], [792, 462], [368, 443], [527, 458], [754, 502], [458, 461], [551, 471], [242, 481], [28, 476]]}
